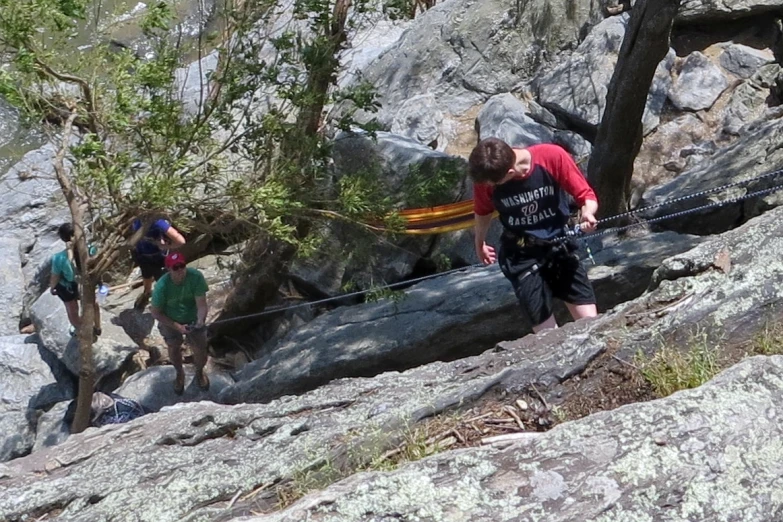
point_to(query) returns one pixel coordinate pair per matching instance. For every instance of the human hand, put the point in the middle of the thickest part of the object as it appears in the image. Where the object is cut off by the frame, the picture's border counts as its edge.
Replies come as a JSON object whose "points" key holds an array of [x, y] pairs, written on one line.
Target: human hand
{"points": [[588, 222], [181, 328], [486, 254]]}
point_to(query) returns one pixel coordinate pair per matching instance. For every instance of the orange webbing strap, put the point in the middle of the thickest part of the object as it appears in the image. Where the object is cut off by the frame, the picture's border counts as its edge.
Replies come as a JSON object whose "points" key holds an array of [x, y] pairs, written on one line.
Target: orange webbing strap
{"points": [[438, 220]]}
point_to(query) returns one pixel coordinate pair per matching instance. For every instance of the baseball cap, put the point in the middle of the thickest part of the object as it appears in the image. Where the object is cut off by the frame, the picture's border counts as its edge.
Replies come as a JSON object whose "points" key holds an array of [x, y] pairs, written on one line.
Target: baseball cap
{"points": [[174, 259]]}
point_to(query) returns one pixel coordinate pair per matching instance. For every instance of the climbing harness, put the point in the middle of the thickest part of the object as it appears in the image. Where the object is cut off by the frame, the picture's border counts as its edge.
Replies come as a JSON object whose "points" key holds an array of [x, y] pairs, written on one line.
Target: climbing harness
{"points": [[457, 210]]}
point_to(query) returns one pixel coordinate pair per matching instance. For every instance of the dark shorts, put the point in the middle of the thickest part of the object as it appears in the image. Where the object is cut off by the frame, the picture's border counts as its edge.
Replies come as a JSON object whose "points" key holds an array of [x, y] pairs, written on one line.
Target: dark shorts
{"points": [[67, 293], [151, 265], [560, 275]]}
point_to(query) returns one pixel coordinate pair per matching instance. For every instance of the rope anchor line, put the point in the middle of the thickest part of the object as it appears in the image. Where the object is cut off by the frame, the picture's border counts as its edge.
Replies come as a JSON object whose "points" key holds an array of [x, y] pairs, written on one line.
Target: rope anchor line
{"points": [[574, 232]]}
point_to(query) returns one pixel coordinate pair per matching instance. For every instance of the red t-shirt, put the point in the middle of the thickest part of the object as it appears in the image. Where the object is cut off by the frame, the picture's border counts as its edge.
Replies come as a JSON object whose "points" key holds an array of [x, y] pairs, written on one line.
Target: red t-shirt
{"points": [[536, 205]]}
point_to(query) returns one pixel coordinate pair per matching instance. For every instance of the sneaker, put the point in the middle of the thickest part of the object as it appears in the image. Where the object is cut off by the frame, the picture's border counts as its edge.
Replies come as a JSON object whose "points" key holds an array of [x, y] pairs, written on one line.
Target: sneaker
{"points": [[202, 380], [179, 383], [72, 330]]}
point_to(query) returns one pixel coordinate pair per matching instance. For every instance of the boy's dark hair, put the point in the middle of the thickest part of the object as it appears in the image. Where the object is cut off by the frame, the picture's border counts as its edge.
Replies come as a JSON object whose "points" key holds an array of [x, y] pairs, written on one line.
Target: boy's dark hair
{"points": [[65, 232], [490, 160]]}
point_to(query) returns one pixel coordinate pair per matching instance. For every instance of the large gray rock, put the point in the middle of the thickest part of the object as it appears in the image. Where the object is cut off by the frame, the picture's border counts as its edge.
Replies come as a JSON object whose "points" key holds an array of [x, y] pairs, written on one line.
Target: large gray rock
{"points": [[443, 318], [701, 11], [575, 88], [744, 61], [153, 388], [31, 209], [231, 460], [397, 161], [462, 51], [702, 454], [52, 428], [26, 385], [11, 286], [699, 83], [109, 352], [504, 116], [756, 152]]}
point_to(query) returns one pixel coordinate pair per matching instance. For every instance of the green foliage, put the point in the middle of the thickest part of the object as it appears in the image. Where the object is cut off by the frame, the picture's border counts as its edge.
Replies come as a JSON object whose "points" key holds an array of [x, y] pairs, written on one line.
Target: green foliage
{"points": [[671, 369], [769, 341], [428, 184]]}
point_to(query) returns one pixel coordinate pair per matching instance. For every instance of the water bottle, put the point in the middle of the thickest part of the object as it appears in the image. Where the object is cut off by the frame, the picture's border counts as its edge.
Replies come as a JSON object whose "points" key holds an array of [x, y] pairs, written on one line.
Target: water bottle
{"points": [[103, 291]]}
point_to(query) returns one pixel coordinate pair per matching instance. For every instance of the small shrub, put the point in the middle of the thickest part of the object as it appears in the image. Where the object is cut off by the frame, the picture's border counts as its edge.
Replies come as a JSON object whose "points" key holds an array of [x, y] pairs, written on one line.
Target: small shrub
{"points": [[671, 370]]}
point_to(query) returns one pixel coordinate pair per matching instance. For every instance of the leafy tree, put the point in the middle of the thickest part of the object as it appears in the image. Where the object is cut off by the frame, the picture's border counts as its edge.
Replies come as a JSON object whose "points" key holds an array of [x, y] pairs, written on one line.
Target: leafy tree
{"points": [[250, 162], [619, 135]]}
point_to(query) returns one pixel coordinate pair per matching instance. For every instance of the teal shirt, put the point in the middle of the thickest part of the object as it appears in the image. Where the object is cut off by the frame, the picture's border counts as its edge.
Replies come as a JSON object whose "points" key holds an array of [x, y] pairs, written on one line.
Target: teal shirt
{"points": [[63, 267], [178, 302]]}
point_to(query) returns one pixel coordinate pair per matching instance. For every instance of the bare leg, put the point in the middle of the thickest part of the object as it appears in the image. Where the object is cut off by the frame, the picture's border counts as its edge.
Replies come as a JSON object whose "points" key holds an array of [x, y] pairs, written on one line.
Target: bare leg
{"points": [[175, 356], [198, 345], [580, 311], [72, 309], [546, 325], [148, 286]]}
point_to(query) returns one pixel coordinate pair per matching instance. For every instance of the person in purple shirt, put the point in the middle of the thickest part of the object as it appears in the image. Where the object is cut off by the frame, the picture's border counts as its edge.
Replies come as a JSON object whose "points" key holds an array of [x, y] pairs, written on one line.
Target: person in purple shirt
{"points": [[150, 252]]}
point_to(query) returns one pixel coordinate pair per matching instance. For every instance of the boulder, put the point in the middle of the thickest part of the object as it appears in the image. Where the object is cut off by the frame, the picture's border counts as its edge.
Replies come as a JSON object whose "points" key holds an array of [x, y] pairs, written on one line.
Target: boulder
{"points": [[52, 428], [504, 116], [236, 461], [757, 152], [110, 351], [153, 388], [26, 385], [31, 209], [439, 319], [744, 61], [11, 286], [703, 453], [444, 55], [699, 83], [575, 87], [706, 11]]}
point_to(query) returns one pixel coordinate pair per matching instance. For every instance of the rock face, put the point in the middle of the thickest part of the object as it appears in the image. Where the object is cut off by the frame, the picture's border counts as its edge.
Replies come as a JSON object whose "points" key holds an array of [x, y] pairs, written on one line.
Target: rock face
{"points": [[26, 385], [110, 351], [710, 11], [703, 454], [644, 460], [699, 83], [575, 88], [444, 318], [31, 209], [444, 55], [11, 286], [153, 388], [757, 152]]}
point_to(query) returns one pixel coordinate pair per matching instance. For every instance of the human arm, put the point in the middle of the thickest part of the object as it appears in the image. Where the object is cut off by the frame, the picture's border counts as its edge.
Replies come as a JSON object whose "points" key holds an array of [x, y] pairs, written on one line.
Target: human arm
{"points": [[485, 252], [587, 219], [175, 238], [482, 212], [202, 308], [162, 318], [54, 280]]}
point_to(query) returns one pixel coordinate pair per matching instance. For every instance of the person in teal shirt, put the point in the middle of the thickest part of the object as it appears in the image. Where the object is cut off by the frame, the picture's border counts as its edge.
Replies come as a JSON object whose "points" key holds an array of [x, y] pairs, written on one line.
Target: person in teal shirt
{"points": [[179, 303], [62, 281]]}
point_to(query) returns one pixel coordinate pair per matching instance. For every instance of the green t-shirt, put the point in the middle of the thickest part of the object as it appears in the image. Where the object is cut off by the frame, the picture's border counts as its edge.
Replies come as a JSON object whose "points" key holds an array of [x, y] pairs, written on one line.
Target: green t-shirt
{"points": [[178, 302], [63, 267]]}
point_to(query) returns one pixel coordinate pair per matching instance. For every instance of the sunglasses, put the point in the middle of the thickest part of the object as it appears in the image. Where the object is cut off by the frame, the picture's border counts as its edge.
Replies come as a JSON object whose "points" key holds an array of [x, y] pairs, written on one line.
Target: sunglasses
{"points": [[177, 268]]}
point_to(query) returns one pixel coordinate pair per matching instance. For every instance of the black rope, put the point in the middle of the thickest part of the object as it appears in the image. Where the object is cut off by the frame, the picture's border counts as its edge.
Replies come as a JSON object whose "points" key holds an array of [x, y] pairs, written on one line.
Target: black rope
{"points": [[570, 234]]}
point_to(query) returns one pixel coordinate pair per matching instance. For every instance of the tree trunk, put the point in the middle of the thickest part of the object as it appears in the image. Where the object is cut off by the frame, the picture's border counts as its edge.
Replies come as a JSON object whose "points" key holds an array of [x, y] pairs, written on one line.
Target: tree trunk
{"points": [[619, 135], [85, 334]]}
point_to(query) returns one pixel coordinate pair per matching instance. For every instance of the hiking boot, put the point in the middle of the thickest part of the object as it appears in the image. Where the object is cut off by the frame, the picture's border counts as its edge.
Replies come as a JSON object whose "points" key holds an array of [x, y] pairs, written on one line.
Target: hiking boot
{"points": [[141, 302], [179, 383], [202, 380]]}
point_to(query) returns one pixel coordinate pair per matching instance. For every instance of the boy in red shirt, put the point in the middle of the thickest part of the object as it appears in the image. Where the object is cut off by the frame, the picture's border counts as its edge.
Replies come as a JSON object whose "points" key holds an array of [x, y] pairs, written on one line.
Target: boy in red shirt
{"points": [[528, 189]]}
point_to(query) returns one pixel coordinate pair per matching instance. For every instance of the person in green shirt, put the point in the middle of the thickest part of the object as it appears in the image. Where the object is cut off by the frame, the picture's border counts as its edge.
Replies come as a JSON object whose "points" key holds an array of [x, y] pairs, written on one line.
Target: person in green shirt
{"points": [[62, 281], [179, 303]]}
